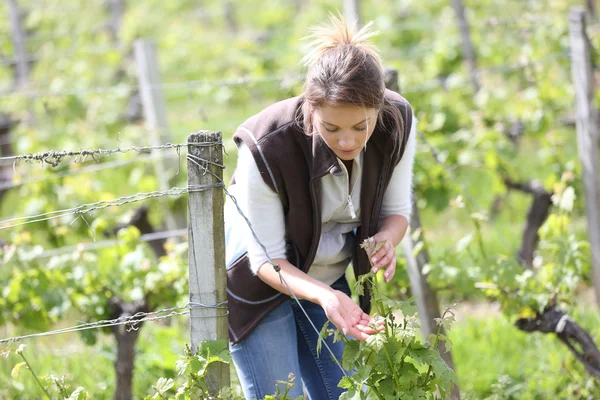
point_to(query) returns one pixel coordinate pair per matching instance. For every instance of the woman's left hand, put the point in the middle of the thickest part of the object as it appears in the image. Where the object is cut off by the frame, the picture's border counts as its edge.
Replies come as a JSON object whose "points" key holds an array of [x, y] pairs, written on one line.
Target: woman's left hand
{"points": [[386, 256]]}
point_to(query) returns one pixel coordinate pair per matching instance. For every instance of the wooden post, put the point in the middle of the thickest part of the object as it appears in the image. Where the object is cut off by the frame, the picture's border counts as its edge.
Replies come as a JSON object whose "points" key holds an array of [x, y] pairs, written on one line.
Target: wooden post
{"points": [[391, 79], [154, 110], [427, 301], [207, 276], [18, 40], [352, 11], [590, 5], [587, 133], [116, 10], [466, 42]]}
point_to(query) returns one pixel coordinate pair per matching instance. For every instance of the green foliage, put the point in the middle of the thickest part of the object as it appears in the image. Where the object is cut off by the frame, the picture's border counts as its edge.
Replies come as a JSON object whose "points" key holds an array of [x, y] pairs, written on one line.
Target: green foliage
{"points": [[394, 362], [559, 266], [526, 367], [192, 371], [525, 77], [89, 281]]}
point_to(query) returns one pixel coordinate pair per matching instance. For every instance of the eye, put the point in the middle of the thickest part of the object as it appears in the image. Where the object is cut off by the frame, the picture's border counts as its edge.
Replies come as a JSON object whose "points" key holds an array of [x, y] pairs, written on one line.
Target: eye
{"points": [[330, 130], [361, 129]]}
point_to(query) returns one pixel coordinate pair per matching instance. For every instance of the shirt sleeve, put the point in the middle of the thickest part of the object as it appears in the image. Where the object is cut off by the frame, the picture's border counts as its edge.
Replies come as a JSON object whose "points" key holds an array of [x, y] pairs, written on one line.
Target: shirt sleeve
{"points": [[397, 199], [264, 210]]}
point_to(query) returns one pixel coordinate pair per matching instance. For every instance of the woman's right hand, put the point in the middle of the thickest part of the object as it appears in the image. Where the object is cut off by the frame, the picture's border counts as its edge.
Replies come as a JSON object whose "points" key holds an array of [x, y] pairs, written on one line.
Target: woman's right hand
{"points": [[346, 315]]}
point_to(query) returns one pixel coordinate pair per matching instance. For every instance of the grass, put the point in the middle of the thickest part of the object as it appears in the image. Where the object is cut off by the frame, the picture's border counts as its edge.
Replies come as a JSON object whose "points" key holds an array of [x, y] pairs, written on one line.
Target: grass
{"points": [[92, 367], [493, 357]]}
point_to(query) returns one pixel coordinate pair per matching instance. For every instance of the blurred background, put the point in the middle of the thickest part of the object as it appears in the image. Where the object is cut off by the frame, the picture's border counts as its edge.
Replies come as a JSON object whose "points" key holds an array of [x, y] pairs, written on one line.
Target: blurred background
{"points": [[490, 82]]}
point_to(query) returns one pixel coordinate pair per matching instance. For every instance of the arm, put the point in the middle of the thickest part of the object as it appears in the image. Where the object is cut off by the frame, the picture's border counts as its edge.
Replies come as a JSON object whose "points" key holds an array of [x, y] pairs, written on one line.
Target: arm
{"points": [[340, 309], [396, 209], [265, 212]]}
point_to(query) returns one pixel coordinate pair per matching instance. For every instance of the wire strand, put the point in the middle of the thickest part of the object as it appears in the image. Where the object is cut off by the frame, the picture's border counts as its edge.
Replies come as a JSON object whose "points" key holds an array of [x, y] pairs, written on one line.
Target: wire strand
{"points": [[81, 210], [130, 322]]}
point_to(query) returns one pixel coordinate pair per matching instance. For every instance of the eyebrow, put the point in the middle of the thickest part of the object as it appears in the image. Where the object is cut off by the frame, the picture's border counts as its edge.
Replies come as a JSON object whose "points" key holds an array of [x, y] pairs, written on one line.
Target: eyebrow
{"points": [[325, 122]]}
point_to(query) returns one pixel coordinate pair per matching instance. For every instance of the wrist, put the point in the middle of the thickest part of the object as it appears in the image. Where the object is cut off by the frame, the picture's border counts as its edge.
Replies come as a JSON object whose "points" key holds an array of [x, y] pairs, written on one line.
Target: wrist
{"points": [[325, 296]]}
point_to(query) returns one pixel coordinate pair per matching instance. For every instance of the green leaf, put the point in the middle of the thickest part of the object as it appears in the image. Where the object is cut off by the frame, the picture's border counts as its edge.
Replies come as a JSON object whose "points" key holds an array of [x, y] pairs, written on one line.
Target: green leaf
{"points": [[15, 371], [408, 375], [418, 248], [346, 383], [323, 334], [377, 341], [78, 394], [162, 386], [181, 366], [352, 351], [387, 388], [351, 394], [463, 243]]}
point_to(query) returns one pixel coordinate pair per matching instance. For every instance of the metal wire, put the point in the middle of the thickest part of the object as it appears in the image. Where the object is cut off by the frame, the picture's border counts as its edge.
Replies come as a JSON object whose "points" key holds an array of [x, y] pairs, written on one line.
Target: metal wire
{"points": [[54, 157], [83, 170], [148, 237], [166, 86], [81, 210], [131, 322]]}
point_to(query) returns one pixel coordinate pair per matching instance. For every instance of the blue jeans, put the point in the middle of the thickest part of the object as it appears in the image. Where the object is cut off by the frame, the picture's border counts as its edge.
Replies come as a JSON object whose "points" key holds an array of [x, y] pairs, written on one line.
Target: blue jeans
{"points": [[285, 342]]}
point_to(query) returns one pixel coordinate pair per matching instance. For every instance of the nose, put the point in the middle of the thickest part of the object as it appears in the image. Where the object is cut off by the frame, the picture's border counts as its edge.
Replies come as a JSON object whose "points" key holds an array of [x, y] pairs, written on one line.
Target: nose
{"points": [[347, 142]]}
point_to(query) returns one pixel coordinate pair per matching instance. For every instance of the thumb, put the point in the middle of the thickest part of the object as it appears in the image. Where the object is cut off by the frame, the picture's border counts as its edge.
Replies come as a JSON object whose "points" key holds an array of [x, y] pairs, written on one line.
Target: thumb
{"points": [[378, 237]]}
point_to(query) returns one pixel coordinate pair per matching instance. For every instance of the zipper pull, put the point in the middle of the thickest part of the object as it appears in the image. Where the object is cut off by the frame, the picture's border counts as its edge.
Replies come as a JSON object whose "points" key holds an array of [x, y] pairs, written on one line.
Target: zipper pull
{"points": [[351, 207]]}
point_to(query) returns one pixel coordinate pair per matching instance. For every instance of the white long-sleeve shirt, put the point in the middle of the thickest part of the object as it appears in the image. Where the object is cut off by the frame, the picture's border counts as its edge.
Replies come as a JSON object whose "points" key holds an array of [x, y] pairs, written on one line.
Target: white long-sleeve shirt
{"points": [[340, 213]]}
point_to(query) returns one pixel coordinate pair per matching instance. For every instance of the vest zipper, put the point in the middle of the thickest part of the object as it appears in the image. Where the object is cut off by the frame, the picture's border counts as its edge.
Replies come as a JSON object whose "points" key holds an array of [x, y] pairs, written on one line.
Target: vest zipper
{"points": [[351, 207], [349, 202]]}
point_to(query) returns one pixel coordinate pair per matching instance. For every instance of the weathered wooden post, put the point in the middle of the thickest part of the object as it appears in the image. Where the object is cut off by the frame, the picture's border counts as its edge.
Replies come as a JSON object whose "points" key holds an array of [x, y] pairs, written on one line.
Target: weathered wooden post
{"points": [[427, 301], [587, 132], [206, 230], [468, 50], [18, 40], [352, 11], [154, 111]]}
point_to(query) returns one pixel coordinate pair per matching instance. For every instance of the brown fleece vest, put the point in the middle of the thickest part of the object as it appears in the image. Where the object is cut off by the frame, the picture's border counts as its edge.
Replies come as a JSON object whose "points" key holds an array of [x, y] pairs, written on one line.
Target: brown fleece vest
{"points": [[291, 163]]}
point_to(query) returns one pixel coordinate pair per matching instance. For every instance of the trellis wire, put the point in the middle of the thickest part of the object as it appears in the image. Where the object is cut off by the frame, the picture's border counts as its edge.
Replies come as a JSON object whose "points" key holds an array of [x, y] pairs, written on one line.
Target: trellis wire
{"points": [[84, 170], [81, 210], [248, 80], [130, 322], [148, 237], [534, 21], [54, 157], [165, 86]]}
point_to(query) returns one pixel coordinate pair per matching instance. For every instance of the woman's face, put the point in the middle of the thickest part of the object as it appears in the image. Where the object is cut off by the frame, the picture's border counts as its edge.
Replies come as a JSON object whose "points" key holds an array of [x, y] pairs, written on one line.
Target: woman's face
{"points": [[345, 128]]}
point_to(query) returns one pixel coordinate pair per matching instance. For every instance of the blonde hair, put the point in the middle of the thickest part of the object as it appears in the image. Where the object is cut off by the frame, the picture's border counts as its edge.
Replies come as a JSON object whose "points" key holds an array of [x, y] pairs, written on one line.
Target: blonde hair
{"points": [[344, 68], [338, 32]]}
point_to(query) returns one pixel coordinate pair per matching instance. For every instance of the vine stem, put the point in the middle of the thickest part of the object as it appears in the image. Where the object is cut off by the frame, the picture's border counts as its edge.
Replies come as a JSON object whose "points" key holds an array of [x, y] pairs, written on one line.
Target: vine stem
{"points": [[35, 376], [387, 354]]}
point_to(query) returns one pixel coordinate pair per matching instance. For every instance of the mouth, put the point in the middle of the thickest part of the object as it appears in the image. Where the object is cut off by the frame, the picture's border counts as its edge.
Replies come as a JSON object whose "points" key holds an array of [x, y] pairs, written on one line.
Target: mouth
{"points": [[347, 151]]}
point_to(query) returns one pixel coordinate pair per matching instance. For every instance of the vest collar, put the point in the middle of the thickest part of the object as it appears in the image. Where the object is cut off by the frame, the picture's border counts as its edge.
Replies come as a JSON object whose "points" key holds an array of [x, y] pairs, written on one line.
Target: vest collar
{"points": [[324, 160]]}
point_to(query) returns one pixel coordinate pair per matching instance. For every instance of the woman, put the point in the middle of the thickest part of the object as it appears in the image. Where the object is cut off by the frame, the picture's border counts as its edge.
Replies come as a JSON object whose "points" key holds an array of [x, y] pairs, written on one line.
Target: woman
{"points": [[317, 174]]}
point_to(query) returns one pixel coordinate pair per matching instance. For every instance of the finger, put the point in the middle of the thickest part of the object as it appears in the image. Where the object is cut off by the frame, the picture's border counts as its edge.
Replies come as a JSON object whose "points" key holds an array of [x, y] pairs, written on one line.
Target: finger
{"points": [[357, 334], [381, 253], [386, 259], [390, 271], [365, 329]]}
